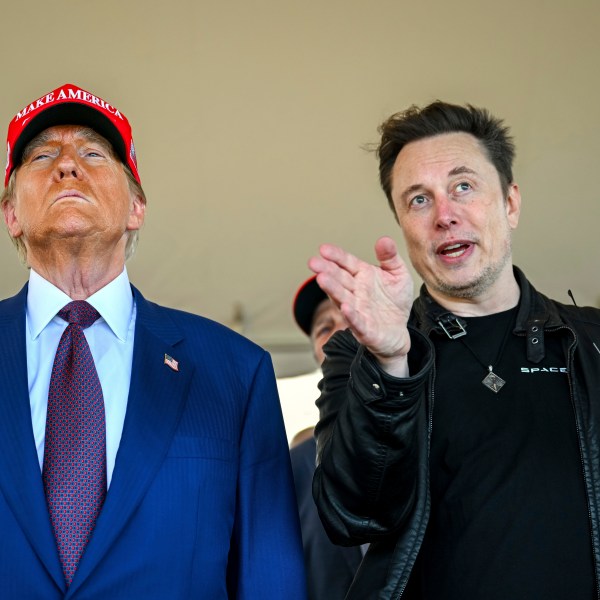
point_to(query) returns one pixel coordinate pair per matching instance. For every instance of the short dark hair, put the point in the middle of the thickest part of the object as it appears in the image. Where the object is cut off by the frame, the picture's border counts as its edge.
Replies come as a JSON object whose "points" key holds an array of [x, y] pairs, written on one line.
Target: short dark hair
{"points": [[441, 117]]}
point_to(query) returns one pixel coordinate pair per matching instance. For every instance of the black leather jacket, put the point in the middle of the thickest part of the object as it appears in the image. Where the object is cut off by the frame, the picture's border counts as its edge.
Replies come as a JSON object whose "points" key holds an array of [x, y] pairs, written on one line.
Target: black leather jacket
{"points": [[372, 480]]}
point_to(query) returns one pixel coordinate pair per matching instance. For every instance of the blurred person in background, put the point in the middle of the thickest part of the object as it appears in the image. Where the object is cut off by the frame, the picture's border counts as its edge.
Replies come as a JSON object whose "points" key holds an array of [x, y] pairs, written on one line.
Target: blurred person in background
{"points": [[329, 568]]}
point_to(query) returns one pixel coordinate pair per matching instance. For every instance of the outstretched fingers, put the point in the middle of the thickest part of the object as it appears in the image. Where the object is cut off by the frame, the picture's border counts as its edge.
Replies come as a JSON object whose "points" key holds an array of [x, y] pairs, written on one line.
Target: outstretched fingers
{"points": [[346, 261], [374, 299], [336, 272]]}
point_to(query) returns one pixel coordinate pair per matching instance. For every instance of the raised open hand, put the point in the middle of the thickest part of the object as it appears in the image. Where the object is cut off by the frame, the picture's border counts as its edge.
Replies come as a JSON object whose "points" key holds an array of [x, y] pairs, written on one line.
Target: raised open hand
{"points": [[374, 299]]}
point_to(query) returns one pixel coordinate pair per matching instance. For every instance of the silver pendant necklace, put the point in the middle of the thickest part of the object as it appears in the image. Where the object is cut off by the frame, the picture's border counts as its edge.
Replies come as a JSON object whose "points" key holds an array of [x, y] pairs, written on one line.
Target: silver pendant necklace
{"points": [[492, 381]]}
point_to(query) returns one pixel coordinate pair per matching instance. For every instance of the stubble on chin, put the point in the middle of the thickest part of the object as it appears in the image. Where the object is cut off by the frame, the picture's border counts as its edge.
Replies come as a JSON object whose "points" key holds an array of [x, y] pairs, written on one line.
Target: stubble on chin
{"points": [[480, 284], [468, 290]]}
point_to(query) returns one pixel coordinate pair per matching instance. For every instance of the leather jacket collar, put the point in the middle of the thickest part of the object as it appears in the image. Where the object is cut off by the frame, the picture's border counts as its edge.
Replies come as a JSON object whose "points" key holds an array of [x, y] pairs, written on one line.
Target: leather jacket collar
{"points": [[536, 314]]}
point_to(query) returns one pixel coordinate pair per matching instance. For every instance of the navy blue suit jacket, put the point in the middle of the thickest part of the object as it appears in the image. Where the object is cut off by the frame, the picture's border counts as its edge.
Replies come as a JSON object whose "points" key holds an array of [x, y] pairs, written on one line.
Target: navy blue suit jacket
{"points": [[330, 569], [201, 503]]}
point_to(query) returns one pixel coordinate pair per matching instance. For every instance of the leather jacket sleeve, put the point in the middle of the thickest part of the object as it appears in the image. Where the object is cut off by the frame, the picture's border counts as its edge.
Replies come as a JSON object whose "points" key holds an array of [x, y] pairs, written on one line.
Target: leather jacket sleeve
{"points": [[371, 441]]}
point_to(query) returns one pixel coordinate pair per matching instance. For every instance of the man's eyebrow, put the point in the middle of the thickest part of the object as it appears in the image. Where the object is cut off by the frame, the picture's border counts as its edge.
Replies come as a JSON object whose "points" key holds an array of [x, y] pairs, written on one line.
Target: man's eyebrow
{"points": [[416, 187], [320, 318], [95, 138], [410, 190], [461, 170], [40, 140], [323, 319], [47, 136]]}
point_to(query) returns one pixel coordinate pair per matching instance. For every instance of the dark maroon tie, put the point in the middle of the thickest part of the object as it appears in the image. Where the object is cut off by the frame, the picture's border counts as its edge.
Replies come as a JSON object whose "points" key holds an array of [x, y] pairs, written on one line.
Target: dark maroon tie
{"points": [[74, 471]]}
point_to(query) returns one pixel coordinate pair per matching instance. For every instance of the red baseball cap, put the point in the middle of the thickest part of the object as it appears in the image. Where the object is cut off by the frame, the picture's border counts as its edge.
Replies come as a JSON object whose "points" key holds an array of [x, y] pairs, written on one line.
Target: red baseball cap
{"points": [[308, 297], [69, 105]]}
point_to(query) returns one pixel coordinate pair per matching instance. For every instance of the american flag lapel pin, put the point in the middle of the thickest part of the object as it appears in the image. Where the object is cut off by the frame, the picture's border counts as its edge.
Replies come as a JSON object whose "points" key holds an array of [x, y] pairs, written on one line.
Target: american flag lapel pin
{"points": [[171, 362]]}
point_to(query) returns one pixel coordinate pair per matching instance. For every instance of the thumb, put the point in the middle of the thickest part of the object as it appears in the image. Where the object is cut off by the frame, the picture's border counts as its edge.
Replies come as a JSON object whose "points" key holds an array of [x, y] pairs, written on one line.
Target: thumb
{"points": [[386, 252]]}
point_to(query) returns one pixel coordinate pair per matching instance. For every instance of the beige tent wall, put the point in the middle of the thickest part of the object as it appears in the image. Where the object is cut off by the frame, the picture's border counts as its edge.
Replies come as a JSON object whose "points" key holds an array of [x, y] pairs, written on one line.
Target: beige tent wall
{"points": [[250, 117]]}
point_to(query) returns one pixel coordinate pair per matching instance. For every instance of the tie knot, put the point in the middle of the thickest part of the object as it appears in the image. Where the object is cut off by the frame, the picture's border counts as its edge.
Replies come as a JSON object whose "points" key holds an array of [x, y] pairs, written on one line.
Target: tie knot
{"points": [[79, 312]]}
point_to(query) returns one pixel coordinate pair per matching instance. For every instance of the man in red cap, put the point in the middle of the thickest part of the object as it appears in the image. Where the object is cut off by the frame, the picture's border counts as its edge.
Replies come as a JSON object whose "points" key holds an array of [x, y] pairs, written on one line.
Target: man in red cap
{"points": [[329, 568], [142, 449]]}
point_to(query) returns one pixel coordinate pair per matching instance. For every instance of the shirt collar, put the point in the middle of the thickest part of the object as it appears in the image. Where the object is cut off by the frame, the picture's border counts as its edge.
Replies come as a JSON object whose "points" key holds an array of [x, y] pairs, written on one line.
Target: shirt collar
{"points": [[114, 302]]}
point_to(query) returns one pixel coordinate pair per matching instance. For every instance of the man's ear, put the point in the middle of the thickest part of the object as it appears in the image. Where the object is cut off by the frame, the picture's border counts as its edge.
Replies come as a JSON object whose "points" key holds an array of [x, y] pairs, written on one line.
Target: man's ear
{"points": [[513, 205], [137, 213], [10, 218]]}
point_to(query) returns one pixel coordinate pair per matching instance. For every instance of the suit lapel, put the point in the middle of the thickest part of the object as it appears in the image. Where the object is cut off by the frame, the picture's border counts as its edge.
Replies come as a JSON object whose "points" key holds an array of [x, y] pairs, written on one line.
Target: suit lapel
{"points": [[156, 401], [20, 476]]}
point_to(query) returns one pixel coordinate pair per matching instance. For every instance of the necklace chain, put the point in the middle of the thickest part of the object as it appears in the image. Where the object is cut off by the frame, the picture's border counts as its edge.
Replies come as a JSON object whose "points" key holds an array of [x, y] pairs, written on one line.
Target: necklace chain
{"points": [[492, 381]]}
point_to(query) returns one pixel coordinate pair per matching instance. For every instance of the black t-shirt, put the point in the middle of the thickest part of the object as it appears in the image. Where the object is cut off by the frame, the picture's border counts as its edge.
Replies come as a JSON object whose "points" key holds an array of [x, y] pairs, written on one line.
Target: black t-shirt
{"points": [[509, 516]]}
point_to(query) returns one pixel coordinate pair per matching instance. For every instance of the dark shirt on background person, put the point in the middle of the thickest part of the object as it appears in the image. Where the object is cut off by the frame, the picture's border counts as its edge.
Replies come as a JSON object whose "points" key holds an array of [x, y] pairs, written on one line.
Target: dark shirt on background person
{"points": [[330, 569]]}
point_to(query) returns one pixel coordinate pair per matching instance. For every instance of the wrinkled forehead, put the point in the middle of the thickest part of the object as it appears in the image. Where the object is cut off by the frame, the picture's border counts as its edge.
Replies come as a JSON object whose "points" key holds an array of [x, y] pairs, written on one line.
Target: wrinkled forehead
{"points": [[54, 134], [441, 156]]}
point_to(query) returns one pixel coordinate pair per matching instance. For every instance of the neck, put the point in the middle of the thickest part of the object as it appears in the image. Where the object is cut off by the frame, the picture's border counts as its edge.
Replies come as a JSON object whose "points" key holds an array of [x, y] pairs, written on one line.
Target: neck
{"points": [[502, 295], [78, 275]]}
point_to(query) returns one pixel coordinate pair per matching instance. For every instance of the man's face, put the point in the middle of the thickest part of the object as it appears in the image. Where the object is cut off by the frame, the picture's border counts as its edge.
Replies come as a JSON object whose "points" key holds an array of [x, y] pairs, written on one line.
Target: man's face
{"points": [[456, 222], [71, 185], [326, 321]]}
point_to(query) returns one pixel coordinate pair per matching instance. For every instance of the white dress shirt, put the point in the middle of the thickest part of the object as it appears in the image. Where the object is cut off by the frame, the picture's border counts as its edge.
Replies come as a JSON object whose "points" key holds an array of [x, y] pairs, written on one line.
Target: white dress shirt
{"points": [[111, 342]]}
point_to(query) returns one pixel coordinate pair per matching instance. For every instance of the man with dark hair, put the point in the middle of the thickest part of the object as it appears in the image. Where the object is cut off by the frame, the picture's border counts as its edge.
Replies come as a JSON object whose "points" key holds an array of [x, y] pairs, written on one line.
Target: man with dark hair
{"points": [[440, 117], [329, 568], [142, 449], [459, 434]]}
